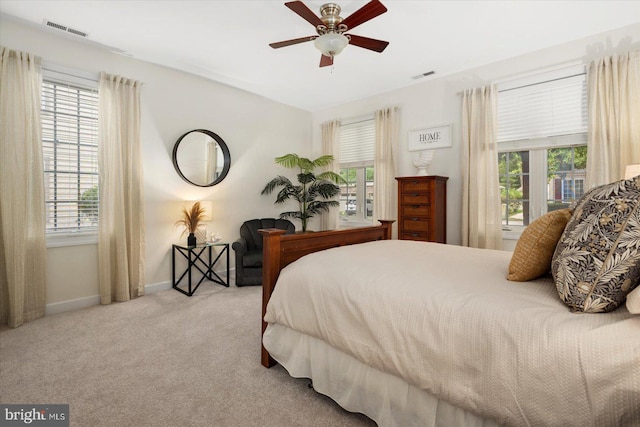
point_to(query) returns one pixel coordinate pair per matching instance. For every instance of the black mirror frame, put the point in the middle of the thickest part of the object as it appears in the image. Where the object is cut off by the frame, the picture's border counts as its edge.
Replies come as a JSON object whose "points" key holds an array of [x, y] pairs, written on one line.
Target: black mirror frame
{"points": [[225, 152]]}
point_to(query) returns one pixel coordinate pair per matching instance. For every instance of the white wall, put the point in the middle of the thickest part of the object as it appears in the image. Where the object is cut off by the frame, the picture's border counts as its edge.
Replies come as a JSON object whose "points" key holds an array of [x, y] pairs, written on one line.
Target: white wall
{"points": [[255, 129], [437, 101]]}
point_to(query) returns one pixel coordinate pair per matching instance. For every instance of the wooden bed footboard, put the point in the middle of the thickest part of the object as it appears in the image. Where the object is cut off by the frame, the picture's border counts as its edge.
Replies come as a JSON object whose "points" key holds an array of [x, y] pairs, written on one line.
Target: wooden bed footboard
{"points": [[281, 249]]}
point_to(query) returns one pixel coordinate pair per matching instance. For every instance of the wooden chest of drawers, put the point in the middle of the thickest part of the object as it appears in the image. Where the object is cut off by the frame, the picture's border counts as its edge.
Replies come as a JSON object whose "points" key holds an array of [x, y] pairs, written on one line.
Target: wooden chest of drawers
{"points": [[422, 208]]}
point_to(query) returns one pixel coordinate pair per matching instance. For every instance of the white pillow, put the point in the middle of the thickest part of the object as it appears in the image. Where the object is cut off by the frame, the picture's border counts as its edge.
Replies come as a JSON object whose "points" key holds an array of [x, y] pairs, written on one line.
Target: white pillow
{"points": [[633, 301]]}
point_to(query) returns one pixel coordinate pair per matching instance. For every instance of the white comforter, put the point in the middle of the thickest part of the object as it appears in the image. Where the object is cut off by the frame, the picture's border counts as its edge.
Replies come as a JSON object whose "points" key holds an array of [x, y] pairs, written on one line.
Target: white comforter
{"points": [[445, 319]]}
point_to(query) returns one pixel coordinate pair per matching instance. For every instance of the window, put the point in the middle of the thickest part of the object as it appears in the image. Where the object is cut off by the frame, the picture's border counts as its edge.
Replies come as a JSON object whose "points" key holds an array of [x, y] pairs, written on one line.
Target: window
{"points": [[514, 187], [566, 175], [542, 125], [69, 117], [357, 143]]}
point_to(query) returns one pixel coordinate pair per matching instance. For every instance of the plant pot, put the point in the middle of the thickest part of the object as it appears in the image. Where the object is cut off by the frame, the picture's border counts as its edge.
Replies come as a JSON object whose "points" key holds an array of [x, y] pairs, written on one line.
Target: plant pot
{"points": [[191, 240]]}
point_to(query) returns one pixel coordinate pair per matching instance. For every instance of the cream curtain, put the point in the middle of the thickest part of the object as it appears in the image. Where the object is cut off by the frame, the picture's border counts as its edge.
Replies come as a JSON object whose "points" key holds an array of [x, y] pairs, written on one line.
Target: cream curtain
{"points": [[121, 225], [331, 146], [614, 117], [481, 218], [385, 197], [22, 213]]}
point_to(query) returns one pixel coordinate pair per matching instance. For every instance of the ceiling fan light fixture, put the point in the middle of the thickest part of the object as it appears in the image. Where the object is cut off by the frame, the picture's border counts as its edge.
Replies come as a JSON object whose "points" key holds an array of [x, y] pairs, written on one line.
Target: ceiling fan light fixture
{"points": [[331, 44]]}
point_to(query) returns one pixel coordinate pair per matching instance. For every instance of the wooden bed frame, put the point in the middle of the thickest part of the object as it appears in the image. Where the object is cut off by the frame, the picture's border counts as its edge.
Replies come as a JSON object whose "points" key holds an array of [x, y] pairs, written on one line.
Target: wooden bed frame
{"points": [[280, 250]]}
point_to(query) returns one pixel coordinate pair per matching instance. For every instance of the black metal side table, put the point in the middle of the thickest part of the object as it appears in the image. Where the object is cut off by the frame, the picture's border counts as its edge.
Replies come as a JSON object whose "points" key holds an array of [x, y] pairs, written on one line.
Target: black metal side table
{"points": [[200, 258]]}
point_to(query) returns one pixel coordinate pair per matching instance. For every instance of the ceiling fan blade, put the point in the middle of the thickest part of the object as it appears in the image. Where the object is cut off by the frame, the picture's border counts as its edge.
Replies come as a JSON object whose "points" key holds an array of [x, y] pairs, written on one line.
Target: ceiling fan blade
{"points": [[284, 43], [367, 43], [306, 13], [326, 60], [365, 13]]}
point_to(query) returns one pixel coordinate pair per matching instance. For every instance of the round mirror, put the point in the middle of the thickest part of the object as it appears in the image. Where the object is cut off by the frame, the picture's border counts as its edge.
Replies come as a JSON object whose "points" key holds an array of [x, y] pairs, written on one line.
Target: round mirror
{"points": [[201, 158]]}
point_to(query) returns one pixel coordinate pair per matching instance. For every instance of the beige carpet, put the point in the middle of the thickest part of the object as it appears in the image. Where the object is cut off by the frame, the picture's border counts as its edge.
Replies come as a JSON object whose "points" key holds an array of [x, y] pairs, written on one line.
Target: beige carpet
{"points": [[161, 360]]}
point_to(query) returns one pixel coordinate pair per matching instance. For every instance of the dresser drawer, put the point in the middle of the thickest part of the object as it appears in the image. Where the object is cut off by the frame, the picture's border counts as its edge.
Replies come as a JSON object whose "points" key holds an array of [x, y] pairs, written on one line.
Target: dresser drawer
{"points": [[408, 186], [416, 198], [417, 225], [415, 210], [415, 236]]}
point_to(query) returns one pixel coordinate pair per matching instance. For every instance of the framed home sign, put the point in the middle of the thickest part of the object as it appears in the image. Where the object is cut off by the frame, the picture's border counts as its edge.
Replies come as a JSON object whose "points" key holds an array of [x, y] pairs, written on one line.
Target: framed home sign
{"points": [[433, 137]]}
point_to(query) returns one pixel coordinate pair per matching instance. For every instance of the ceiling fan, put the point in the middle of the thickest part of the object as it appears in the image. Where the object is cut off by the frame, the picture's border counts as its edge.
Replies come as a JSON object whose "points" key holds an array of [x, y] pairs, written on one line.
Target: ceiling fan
{"points": [[331, 29]]}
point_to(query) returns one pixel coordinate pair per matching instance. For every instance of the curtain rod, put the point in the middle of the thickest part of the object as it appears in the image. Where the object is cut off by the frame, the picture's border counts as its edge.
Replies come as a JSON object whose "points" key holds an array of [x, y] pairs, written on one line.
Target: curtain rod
{"points": [[534, 84], [354, 120], [546, 81], [566, 65], [71, 72]]}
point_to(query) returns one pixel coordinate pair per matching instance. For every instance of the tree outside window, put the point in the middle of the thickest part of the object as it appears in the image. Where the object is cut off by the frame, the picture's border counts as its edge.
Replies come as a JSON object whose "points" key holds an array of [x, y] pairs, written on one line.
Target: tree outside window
{"points": [[513, 169], [564, 182], [356, 193], [566, 172]]}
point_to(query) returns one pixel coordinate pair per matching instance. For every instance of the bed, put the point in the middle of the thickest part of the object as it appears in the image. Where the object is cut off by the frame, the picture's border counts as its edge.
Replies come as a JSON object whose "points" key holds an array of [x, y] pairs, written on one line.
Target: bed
{"points": [[435, 335]]}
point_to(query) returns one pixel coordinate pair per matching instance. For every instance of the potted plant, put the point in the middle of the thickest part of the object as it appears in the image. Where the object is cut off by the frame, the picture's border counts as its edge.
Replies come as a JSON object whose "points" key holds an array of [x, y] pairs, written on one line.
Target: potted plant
{"points": [[191, 219], [314, 193]]}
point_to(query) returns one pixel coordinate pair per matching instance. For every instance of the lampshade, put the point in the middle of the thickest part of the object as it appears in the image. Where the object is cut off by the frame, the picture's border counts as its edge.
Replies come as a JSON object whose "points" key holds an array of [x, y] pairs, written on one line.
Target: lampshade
{"points": [[632, 171], [331, 44]]}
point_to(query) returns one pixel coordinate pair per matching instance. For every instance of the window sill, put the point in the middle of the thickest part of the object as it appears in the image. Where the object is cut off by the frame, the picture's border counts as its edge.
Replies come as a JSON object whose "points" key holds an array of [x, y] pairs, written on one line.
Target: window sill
{"points": [[57, 241], [354, 223], [513, 233]]}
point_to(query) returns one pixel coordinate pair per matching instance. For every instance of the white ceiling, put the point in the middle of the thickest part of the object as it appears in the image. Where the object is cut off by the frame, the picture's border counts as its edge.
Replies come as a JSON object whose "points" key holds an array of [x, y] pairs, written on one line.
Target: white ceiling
{"points": [[227, 41]]}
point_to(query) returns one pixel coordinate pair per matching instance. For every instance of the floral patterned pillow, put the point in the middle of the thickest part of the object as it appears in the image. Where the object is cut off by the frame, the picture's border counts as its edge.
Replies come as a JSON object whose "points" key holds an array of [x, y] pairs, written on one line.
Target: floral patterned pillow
{"points": [[597, 261]]}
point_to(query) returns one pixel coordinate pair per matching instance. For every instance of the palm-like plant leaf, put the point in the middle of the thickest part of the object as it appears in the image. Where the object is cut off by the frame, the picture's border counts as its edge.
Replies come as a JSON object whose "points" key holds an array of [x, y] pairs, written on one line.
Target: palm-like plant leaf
{"points": [[317, 206], [276, 182], [286, 193], [312, 187], [291, 215], [331, 176], [289, 161], [321, 161], [294, 161], [306, 178], [305, 165], [325, 189]]}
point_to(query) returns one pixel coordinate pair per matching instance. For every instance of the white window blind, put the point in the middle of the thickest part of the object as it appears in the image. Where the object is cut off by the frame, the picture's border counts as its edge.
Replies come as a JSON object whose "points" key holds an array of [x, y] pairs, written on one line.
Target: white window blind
{"points": [[69, 117], [357, 142], [548, 108]]}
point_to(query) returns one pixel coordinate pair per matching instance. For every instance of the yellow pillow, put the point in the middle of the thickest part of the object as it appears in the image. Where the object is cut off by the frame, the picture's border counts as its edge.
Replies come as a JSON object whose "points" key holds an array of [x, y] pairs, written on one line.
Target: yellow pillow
{"points": [[534, 250]]}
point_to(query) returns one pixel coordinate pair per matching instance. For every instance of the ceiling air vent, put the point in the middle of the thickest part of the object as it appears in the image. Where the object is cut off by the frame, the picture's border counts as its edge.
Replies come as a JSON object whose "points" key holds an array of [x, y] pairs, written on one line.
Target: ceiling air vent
{"points": [[65, 28], [419, 76]]}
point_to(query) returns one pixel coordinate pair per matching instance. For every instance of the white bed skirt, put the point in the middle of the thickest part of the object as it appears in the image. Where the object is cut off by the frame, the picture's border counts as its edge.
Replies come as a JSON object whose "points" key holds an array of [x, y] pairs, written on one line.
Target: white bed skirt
{"points": [[385, 398]]}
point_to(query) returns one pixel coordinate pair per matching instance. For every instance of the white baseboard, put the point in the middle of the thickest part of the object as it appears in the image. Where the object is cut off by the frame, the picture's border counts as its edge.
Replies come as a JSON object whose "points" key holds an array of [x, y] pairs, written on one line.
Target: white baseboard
{"points": [[156, 287], [74, 304]]}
